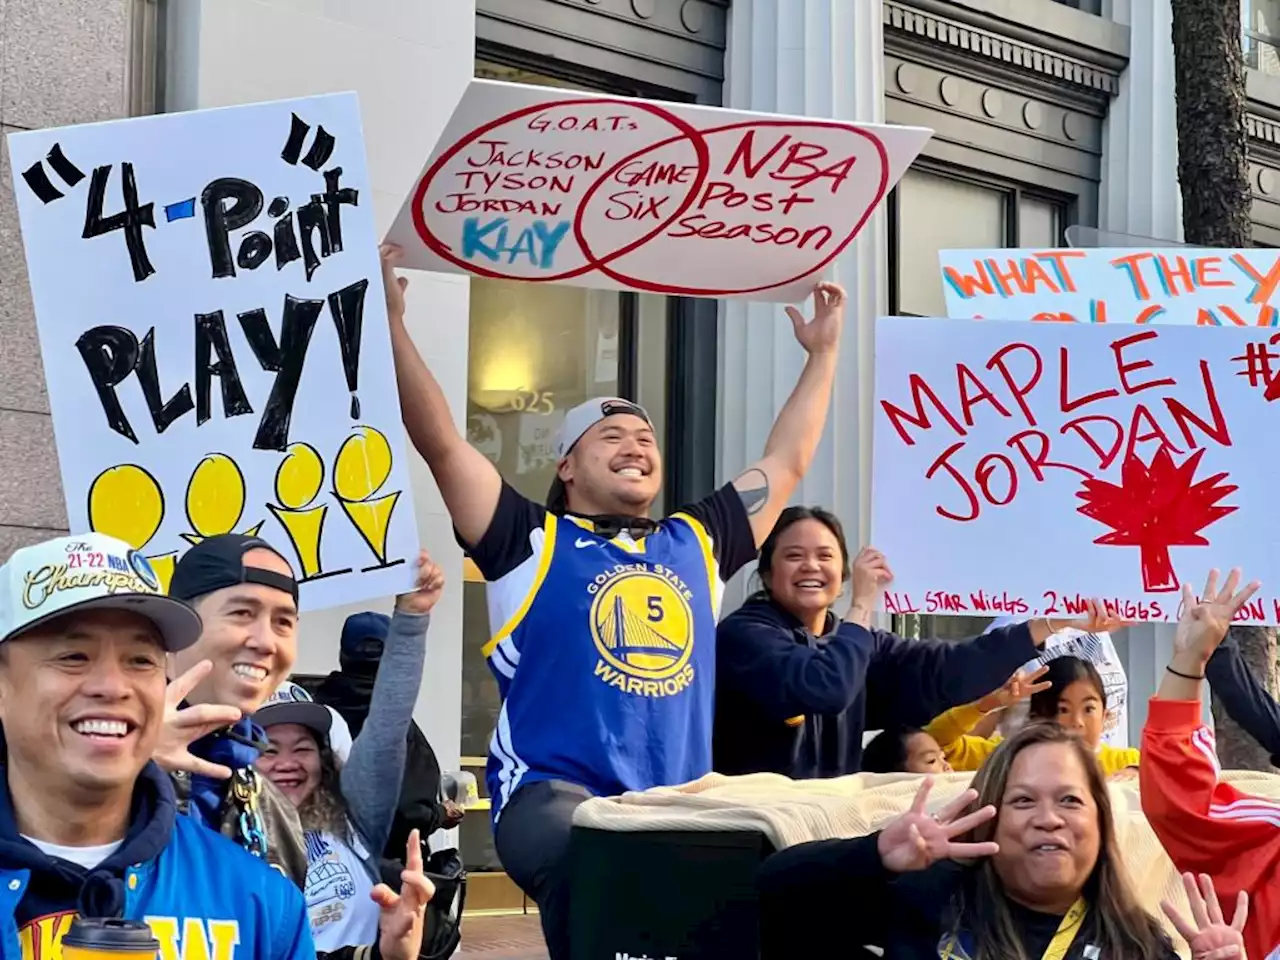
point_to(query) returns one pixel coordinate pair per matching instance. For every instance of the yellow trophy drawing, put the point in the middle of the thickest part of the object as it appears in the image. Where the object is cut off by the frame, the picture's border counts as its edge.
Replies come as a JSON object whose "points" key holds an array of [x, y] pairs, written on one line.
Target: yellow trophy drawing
{"points": [[298, 481], [215, 499], [360, 470], [127, 503]]}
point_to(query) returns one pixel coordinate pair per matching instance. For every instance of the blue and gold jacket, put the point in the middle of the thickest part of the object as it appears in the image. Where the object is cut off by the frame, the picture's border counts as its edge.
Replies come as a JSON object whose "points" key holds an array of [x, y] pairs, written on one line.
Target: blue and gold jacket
{"points": [[203, 897]]}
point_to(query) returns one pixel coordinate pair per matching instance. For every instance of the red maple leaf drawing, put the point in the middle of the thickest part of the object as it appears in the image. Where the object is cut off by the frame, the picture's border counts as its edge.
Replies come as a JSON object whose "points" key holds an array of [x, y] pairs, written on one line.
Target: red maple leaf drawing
{"points": [[1155, 508]]}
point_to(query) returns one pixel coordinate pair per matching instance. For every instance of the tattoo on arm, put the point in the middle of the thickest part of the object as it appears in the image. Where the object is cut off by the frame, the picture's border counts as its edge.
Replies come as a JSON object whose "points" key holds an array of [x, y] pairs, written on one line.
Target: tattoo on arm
{"points": [[753, 489]]}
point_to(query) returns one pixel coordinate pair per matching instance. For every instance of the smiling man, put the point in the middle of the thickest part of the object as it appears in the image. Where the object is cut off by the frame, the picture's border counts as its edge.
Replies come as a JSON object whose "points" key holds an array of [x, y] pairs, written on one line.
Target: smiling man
{"points": [[603, 619], [87, 820], [246, 595]]}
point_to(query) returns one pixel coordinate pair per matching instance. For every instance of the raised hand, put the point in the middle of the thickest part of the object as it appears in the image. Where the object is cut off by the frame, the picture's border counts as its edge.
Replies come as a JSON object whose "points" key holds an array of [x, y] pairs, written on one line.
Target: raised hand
{"points": [[1018, 687], [427, 588], [871, 574], [1204, 622], [184, 726], [403, 914], [916, 841], [393, 285], [1097, 619], [1210, 937], [822, 333]]}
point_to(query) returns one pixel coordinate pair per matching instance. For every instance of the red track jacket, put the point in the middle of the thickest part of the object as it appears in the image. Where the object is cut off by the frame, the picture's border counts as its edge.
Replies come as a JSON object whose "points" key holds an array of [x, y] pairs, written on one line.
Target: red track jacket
{"points": [[1211, 827]]}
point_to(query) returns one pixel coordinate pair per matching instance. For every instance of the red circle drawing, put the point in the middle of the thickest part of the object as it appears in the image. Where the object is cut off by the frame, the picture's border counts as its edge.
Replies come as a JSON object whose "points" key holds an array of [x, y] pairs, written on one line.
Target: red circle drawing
{"points": [[442, 250], [653, 286], [703, 153]]}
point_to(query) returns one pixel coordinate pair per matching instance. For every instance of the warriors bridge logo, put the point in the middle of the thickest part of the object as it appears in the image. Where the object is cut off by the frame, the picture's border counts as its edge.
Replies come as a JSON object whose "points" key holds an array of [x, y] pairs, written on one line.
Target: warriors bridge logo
{"points": [[642, 626]]}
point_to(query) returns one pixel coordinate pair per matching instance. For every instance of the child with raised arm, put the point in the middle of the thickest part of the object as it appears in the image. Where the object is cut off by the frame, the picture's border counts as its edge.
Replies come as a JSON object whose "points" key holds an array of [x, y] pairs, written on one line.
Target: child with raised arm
{"points": [[1070, 693]]}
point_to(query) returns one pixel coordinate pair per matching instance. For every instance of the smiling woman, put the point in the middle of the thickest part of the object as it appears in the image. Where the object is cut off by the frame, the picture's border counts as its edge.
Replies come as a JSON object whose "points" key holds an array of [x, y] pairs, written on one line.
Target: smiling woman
{"points": [[796, 687], [1031, 869]]}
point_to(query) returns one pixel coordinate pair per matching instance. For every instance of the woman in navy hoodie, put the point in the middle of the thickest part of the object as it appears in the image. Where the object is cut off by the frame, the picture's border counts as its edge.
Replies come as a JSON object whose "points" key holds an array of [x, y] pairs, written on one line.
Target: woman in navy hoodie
{"points": [[796, 687]]}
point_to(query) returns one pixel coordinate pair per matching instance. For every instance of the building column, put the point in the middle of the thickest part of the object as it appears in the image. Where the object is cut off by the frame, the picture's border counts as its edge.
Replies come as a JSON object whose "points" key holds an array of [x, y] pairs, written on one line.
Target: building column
{"points": [[819, 59], [1140, 197], [1140, 139]]}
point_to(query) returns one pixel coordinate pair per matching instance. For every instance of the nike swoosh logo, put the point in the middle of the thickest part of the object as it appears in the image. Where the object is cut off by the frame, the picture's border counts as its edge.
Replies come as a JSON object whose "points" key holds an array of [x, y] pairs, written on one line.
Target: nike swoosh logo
{"points": [[584, 543]]}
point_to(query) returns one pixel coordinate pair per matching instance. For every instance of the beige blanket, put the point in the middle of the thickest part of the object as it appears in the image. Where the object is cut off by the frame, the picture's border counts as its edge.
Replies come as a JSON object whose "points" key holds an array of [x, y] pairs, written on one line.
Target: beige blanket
{"points": [[794, 811]]}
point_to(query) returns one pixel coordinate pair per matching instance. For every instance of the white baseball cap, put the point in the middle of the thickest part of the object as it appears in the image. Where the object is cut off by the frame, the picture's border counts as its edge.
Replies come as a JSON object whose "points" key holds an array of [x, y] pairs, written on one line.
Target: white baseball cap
{"points": [[88, 572], [292, 704], [586, 415]]}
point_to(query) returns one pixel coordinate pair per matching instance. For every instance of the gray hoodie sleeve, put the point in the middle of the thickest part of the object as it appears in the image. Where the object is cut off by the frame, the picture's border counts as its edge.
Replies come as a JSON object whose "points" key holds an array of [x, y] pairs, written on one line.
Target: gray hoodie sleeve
{"points": [[372, 775]]}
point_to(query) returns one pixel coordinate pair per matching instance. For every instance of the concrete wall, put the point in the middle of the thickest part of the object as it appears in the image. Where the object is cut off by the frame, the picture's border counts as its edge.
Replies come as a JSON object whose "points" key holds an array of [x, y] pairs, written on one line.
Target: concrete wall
{"points": [[61, 62], [409, 62]]}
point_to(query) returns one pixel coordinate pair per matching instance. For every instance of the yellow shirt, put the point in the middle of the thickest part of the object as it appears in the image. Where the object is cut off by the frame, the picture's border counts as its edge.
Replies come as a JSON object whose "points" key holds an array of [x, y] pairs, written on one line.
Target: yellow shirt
{"points": [[966, 752]]}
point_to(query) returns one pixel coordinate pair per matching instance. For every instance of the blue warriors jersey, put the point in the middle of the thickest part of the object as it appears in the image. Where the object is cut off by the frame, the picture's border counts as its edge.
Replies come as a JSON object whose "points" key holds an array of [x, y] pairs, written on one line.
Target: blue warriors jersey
{"points": [[603, 650]]}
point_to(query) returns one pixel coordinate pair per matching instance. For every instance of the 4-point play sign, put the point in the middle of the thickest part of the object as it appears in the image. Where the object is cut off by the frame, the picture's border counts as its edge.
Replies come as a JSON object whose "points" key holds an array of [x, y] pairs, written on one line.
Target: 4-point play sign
{"points": [[531, 183]]}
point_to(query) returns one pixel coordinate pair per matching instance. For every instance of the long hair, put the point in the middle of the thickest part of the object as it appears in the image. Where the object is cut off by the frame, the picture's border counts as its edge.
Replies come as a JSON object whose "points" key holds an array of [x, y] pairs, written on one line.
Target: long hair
{"points": [[1116, 923], [789, 518], [326, 809], [1062, 672]]}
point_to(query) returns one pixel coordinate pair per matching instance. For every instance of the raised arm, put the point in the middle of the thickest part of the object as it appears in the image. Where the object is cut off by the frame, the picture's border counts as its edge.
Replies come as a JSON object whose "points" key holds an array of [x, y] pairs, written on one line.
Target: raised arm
{"points": [[767, 485], [373, 774], [955, 730], [469, 484], [910, 682], [1205, 825]]}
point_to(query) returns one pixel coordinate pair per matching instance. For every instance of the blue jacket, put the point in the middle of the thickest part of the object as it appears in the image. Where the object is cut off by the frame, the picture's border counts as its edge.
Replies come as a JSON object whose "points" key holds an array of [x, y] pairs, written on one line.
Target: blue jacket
{"points": [[791, 703], [185, 880]]}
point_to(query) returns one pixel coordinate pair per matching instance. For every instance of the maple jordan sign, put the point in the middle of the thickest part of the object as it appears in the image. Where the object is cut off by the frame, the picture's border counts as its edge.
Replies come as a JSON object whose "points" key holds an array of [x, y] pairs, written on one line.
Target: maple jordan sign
{"points": [[1036, 465], [1130, 412]]}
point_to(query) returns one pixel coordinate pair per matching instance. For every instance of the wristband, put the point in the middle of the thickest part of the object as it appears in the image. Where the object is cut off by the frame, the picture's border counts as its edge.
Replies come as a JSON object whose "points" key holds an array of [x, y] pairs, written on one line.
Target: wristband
{"points": [[1184, 676]]}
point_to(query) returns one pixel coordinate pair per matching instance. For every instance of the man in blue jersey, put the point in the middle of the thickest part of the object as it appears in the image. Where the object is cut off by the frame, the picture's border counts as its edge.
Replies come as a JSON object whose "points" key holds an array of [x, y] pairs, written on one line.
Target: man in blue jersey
{"points": [[603, 620], [88, 823]]}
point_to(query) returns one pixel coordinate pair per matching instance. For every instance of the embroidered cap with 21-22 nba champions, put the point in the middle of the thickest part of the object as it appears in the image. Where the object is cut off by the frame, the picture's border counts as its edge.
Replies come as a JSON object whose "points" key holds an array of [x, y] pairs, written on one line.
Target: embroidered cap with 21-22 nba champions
{"points": [[89, 571]]}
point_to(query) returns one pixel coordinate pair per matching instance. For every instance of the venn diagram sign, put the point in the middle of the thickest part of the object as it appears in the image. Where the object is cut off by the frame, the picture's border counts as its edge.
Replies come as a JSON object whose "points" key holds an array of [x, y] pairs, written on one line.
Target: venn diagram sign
{"points": [[538, 184]]}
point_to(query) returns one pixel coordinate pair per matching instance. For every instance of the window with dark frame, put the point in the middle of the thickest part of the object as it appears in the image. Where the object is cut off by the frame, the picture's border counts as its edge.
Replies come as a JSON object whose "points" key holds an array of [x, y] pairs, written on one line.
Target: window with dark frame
{"points": [[1261, 35], [937, 208]]}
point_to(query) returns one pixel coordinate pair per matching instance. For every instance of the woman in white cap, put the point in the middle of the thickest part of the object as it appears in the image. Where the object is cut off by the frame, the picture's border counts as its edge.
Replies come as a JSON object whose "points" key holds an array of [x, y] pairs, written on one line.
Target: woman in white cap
{"points": [[347, 807]]}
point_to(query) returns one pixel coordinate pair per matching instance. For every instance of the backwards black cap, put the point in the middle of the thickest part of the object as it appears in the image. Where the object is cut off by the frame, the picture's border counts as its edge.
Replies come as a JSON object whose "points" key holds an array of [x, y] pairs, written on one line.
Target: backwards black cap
{"points": [[218, 562]]}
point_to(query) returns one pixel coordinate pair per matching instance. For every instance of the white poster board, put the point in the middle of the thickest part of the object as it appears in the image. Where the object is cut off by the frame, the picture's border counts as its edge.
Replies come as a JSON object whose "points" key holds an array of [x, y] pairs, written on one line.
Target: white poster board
{"points": [[1222, 288], [210, 308], [1022, 468], [539, 184]]}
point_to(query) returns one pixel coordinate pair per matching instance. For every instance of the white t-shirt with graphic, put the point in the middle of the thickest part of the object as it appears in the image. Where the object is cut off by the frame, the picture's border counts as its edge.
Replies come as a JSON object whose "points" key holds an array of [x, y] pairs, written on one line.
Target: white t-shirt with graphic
{"points": [[1096, 648], [338, 889]]}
